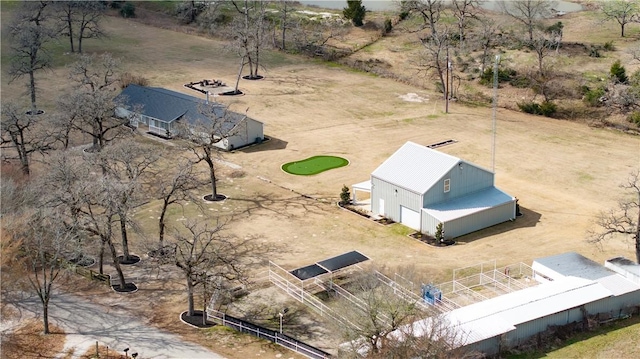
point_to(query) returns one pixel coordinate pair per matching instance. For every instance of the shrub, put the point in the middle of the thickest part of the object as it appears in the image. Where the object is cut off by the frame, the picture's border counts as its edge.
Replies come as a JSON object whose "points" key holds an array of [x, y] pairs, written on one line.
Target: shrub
{"points": [[128, 78], [439, 233], [128, 10], [546, 108], [354, 12], [618, 72], [403, 15], [592, 97], [387, 26], [503, 75], [634, 118], [594, 52], [608, 46], [520, 82], [345, 195]]}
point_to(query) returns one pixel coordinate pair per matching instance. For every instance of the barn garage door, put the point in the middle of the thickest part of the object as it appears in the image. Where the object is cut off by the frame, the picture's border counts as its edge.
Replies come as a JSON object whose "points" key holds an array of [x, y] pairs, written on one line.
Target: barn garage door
{"points": [[410, 218]]}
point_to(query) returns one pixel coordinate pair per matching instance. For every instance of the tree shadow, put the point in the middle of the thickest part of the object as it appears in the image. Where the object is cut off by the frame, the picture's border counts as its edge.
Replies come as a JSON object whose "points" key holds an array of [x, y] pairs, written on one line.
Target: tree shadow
{"points": [[529, 218], [269, 144]]}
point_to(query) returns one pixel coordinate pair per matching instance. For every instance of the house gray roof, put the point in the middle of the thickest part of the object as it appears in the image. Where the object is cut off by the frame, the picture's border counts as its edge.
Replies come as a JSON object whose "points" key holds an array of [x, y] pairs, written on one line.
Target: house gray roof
{"points": [[415, 167], [169, 106]]}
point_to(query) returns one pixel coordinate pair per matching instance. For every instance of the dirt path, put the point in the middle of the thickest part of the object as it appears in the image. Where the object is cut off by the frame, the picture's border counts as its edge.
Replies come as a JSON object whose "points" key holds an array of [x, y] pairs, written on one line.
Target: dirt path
{"points": [[86, 322]]}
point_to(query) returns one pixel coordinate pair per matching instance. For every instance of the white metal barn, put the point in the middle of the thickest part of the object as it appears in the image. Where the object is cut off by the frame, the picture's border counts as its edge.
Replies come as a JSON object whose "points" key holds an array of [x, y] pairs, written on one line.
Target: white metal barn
{"points": [[160, 110], [421, 187]]}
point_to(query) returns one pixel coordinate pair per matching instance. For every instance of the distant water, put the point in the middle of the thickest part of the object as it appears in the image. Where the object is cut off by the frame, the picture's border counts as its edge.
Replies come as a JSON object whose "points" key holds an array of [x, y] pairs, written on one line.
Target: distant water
{"points": [[382, 5]]}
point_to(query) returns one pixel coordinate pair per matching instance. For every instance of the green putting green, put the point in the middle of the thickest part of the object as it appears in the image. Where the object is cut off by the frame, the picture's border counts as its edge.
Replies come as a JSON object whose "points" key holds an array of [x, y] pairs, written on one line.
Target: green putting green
{"points": [[314, 165]]}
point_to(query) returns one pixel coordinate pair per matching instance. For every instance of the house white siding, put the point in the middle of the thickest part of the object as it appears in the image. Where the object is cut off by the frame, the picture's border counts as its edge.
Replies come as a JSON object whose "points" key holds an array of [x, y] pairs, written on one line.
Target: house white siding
{"points": [[410, 218], [393, 197], [247, 132], [464, 178]]}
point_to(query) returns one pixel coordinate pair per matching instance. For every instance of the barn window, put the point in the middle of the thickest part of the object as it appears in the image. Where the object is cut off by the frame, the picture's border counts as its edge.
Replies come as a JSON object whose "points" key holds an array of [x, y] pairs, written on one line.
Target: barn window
{"points": [[447, 185]]}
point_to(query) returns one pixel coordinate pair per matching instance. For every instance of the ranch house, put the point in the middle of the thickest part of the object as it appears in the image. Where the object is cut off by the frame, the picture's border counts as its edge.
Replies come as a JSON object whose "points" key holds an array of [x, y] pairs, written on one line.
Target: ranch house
{"points": [[421, 187], [161, 111]]}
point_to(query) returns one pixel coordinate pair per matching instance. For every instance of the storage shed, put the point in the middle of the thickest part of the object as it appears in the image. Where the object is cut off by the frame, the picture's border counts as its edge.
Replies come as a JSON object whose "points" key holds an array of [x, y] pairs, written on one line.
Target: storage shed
{"points": [[421, 187], [159, 111]]}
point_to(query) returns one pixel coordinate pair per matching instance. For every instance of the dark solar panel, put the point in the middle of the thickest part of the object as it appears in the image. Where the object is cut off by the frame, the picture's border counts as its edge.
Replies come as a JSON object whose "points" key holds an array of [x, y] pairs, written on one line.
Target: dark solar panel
{"points": [[343, 260], [309, 271]]}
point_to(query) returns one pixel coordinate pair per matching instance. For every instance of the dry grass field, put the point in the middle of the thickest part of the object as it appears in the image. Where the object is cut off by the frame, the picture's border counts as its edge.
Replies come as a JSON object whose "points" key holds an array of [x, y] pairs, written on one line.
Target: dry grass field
{"points": [[563, 173]]}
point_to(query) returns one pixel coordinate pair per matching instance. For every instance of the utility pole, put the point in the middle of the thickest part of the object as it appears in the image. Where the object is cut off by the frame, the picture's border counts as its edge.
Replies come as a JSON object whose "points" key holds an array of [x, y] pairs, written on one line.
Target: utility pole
{"points": [[446, 86], [495, 105]]}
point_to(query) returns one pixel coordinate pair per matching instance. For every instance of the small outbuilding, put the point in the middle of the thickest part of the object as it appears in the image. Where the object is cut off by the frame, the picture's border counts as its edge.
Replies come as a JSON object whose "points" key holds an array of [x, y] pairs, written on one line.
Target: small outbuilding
{"points": [[160, 111], [421, 187]]}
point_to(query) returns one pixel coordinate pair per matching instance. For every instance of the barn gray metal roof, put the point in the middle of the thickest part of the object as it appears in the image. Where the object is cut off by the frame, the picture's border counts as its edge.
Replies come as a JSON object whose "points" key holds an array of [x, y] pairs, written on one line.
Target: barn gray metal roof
{"points": [[576, 265], [415, 167], [169, 106], [469, 204]]}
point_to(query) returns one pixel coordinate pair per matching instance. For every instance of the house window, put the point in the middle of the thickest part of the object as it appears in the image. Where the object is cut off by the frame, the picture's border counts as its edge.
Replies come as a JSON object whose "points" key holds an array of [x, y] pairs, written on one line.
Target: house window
{"points": [[447, 185]]}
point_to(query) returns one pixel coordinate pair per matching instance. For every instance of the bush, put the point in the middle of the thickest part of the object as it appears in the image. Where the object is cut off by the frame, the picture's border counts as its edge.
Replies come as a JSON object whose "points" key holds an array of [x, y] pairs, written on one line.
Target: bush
{"points": [[387, 26], [618, 72], [345, 195], [520, 82], [634, 118], [128, 10], [592, 97], [546, 108], [594, 52], [354, 12], [128, 78], [503, 75], [608, 46]]}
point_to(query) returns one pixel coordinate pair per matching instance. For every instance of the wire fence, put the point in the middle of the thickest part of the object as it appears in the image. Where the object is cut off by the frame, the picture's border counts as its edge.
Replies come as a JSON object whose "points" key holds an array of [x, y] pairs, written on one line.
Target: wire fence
{"points": [[268, 334]]}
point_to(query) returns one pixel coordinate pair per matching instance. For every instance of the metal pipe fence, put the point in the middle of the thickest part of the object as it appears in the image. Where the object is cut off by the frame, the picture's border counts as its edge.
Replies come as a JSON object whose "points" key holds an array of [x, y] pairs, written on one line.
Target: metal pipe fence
{"points": [[268, 334]]}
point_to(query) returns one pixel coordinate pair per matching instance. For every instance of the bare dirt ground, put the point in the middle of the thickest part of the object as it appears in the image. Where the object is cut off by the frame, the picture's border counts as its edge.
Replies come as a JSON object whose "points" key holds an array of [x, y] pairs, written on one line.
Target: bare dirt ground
{"points": [[563, 173]]}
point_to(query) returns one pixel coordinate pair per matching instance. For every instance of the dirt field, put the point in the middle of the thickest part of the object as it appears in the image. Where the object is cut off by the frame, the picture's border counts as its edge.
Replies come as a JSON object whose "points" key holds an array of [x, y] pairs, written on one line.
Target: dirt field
{"points": [[563, 173]]}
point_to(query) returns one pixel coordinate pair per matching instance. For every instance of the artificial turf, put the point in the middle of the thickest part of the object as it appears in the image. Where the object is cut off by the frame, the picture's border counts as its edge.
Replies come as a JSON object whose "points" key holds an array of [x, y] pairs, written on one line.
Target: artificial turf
{"points": [[314, 165]]}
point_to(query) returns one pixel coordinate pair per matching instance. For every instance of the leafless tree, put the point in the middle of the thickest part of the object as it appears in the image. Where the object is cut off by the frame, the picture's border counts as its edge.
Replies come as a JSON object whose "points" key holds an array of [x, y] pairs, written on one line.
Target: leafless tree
{"points": [[30, 32], [26, 134], [80, 19], [624, 220], [188, 11], [373, 313], [311, 36], [429, 10], [207, 256], [174, 189], [528, 12], [543, 44], [622, 11], [44, 243], [434, 56], [205, 137], [91, 107], [465, 11], [89, 200], [486, 37], [250, 32], [285, 7], [130, 164]]}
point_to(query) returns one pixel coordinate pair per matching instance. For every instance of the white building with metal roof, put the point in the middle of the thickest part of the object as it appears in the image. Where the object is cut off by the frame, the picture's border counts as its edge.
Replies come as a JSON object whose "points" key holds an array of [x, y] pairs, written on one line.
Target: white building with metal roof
{"points": [[421, 187], [572, 287]]}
